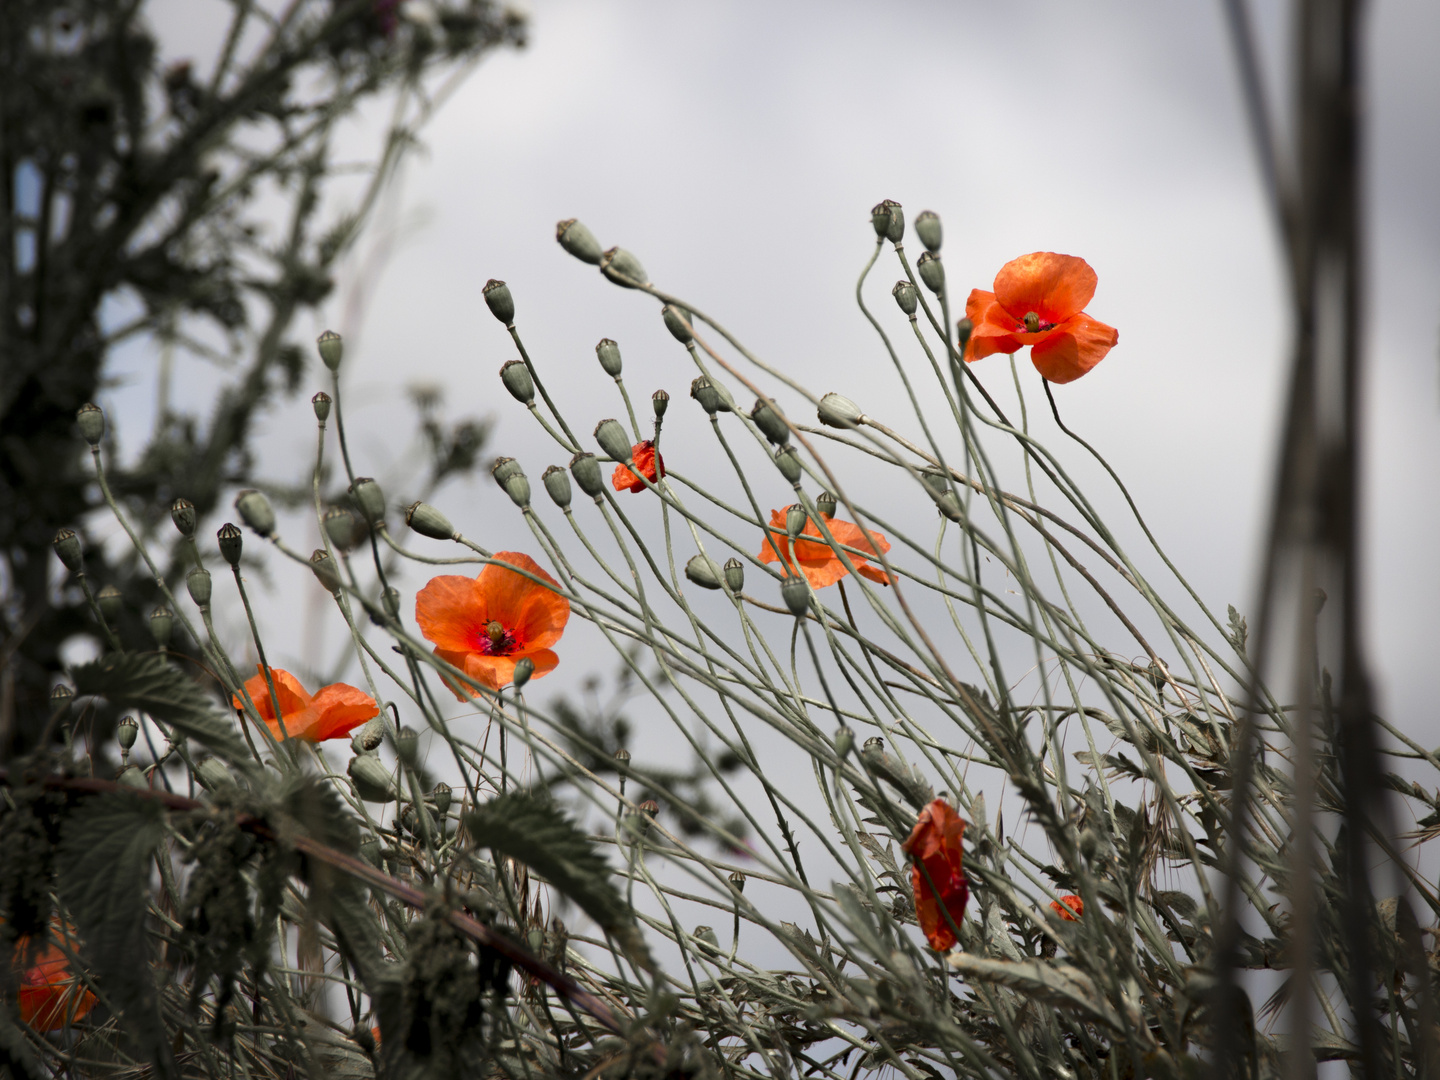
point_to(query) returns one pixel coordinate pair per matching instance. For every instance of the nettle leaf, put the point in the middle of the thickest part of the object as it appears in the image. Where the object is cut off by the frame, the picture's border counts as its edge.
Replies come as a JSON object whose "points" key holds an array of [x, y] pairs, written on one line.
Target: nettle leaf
{"points": [[147, 681], [535, 832], [103, 872]]}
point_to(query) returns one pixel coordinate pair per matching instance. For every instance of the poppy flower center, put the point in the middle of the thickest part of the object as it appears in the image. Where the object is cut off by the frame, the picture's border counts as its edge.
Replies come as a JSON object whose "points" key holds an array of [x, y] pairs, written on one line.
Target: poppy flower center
{"points": [[498, 641]]}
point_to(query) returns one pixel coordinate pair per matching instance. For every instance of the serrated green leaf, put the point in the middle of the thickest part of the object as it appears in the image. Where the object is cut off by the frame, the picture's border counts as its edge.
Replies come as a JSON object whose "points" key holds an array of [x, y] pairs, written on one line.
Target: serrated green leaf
{"points": [[535, 832], [148, 682]]}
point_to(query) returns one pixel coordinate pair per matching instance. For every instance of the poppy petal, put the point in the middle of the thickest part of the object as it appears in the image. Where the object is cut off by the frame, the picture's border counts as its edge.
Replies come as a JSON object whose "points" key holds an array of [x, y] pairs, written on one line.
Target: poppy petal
{"points": [[341, 709], [534, 614], [874, 573], [1054, 287], [1073, 348], [462, 660], [288, 690], [451, 612], [622, 479], [992, 327]]}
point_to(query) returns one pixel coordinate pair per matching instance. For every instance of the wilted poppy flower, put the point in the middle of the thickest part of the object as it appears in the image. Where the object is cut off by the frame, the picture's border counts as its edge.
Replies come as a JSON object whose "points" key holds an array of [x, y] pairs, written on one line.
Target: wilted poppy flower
{"points": [[50, 996], [934, 844], [1038, 301], [485, 625], [1069, 908], [332, 713], [650, 464], [817, 561]]}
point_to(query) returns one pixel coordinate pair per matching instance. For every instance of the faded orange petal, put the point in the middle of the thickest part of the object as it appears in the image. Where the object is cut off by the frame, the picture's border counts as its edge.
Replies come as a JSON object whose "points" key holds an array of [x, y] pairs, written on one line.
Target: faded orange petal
{"points": [[288, 690], [938, 877], [992, 328], [340, 709], [1073, 908], [450, 612], [534, 614], [1054, 287], [645, 458], [50, 996], [1073, 348]]}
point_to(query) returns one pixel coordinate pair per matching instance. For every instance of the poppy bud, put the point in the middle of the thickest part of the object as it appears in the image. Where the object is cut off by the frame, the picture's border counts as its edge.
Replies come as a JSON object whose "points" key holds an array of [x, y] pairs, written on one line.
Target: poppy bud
{"points": [[332, 348], [373, 781], [935, 480], [623, 268], [735, 575], [795, 591], [133, 777], [907, 296], [766, 415], [198, 582], [706, 940], [880, 217], [321, 404], [737, 879], [407, 745], [91, 421], [659, 402], [963, 329], [340, 527], [701, 569], [162, 625], [516, 377], [622, 757], [109, 601], [795, 519], [524, 668], [557, 483], [844, 742], [390, 598], [838, 411], [182, 513], [787, 460], [608, 353], [586, 471], [613, 440], [440, 794], [232, 542], [368, 738], [927, 227], [427, 521], [517, 486], [579, 241], [677, 321], [67, 547], [255, 511], [499, 301], [712, 397], [126, 732], [825, 503], [369, 498], [948, 505], [325, 570], [932, 272]]}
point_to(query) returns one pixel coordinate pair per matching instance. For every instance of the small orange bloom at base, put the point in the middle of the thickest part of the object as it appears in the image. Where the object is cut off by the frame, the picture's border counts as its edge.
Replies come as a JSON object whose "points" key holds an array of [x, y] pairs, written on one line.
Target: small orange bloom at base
{"points": [[50, 997], [1069, 908], [935, 845], [815, 558], [486, 624], [332, 713], [650, 464]]}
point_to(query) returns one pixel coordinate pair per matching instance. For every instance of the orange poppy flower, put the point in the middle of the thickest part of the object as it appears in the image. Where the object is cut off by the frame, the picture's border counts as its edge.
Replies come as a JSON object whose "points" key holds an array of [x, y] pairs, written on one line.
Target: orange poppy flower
{"points": [[334, 711], [1038, 301], [1069, 908], [484, 625], [934, 843], [817, 561], [50, 996], [647, 461]]}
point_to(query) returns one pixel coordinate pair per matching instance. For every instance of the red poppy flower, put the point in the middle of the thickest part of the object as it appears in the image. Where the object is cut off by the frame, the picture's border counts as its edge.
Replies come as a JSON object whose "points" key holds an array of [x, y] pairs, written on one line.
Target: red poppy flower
{"points": [[1038, 301], [1069, 908], [817, 560], [334, 711], [650, 464], [485, 625], [50, 996], [934, 844]]}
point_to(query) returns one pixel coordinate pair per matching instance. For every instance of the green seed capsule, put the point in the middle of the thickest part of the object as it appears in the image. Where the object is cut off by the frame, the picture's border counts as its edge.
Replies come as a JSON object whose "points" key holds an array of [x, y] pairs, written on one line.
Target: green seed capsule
{"points": [[325, 570], [368, 738], [132, 776], [579, 241], [162, 625], [738, 880], [659, 402], [126, 732], [623, 268], [110, 602], [787, 460], [963, 329], [701, 569], [907, 296], [711, 396], [795, 519], [735, 575], [768, 419], [61, 697], [182, 513], [888, 220], [844, 742], [557, 484], [825, 503], [524, 668], [613, 440], [678, 322], [232, 542], [932, 272], [499, 301], [332, 349], [91, 420], [517, 486], [67, 547], [441, 795], [503, 469], [608, 353], [586, 471], [407, 746], [321, 404], [838, 411], [372, 779], [340, 527], [706, 940], [927, 227], [369, 498], [795, 591], [516, 377], [199, 584], [427, 521], [255, 511]]}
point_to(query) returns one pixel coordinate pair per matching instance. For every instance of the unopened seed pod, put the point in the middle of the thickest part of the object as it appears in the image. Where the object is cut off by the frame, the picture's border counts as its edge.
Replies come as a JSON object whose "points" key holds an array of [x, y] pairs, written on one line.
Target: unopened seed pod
{"points": [[321, 404], [369, 498], [524, 669], [232, 542], [737, 879], [787, 460], [907, 296], [557, 485], [701, 569], [622, 757], [340, 527], [427, 521], [372, 779], [935, 480], [67, 548], [182, 513], [795, 519], [795, 591], [516, 484], [613, 440], [126, 731], [677, 321], [623, 268], [927, 227], [586, 471], [441, 795], [407, 745], [874, 746], [888, 220], [659, 402], [325, 570], [766, 415], [579, 241], [838, 411], [710, 395], [90, 419], [516, 377], [199, 584], [332, 349], [608, 353], [963, 329], [61, 697], [162, 625], [499, 301], [706, 940], [368, 738], [844, 742], [825, 503], [132, 776], [503, 469], [110, 601], [932, 272], [255, 511]]}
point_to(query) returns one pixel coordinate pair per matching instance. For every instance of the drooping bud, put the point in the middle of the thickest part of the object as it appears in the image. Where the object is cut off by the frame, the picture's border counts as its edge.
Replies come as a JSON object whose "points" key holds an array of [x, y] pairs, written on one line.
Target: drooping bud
{"points": [[162, 625], [880, 217], [701, 569], [613, 440], [963, 329], [737, 879], [232, 542], [427, 521], [795, 519], [368, 737], [340, 527], [325, 570], [126, 732], [735, 575], [766, 415], [67, 547], [678, 322], [659, 402], [932, 272], [440, 794], [825, 503], [557, 484], [710, 396], [372, 779], [255, 511], [524, 668], [182, 513], [787, 460], [91, 421], [321, 404], [369, 498], [795, 591], [110, 601], [332, 349], [623, 268], [499, 301], [579, 241], [907, 296], [199, 584], [927, 227], [608, 353], [516, 377], [586, 471], [836, 410], [844, 741]]}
